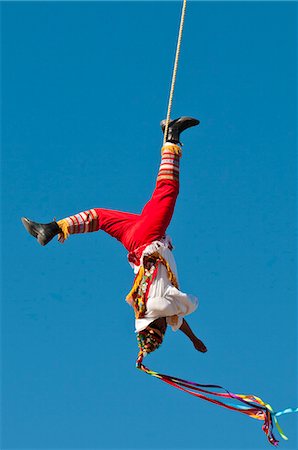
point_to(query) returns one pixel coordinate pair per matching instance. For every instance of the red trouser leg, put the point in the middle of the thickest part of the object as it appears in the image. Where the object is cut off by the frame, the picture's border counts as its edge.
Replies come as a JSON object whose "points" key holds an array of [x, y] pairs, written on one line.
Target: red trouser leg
{"points": [[157, 213], [116, 223], [134, 230]]}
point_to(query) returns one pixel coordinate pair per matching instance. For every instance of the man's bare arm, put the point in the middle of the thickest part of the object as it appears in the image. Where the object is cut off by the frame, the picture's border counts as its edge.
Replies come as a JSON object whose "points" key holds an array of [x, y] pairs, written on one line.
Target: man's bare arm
{"points": [[198, 344]]}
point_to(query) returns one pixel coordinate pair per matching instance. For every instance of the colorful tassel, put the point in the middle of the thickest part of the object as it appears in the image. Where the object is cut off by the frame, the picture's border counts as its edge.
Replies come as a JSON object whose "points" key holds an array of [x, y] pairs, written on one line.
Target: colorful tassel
{"points": [[63, 225], [250, 405]]}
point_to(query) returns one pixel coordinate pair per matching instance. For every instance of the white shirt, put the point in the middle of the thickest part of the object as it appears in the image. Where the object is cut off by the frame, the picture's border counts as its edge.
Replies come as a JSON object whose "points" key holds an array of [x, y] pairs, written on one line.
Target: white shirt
{"points": [[164, 300]]}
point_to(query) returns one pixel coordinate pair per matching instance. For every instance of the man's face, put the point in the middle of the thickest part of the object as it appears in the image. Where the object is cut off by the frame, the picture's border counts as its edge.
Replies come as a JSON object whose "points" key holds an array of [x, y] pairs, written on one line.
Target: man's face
{"points": [[159, 324]]}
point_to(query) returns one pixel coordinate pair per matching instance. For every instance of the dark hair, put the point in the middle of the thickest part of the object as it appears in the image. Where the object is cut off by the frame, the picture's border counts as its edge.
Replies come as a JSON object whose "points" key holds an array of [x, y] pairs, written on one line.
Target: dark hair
{"points": [[159, 324]]}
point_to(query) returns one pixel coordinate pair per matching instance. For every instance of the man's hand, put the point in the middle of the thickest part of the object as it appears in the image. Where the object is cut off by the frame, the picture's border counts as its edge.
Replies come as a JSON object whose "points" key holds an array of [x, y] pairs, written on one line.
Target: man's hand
{"points": [[199, 345]]}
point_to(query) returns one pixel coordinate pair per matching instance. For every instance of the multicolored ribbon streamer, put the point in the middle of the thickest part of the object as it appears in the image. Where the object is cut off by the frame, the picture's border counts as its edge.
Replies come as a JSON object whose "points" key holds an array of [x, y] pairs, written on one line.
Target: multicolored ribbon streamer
{"points": [[250, 405]]}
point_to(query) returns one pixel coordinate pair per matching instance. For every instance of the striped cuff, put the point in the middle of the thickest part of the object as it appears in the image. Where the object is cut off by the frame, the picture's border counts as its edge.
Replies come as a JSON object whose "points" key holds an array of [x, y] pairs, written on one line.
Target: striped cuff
{"points": [[83, 222], [169, 166]]}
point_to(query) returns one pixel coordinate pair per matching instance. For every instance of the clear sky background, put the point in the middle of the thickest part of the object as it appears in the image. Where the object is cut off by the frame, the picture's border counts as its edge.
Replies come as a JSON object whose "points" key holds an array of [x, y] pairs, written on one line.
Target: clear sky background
{"points": [[84, 86]]}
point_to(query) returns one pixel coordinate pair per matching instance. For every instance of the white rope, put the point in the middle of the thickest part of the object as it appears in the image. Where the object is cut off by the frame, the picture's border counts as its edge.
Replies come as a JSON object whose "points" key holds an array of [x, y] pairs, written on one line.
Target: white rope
{"points": [[175, 70]]}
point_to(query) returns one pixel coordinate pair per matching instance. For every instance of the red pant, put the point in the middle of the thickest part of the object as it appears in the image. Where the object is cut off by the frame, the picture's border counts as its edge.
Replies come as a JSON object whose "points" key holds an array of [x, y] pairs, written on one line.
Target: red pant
{"points": [[135, 230]]}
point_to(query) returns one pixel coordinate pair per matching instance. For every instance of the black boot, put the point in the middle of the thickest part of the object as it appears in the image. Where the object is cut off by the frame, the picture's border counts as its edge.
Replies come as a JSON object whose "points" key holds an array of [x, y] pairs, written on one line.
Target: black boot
{"points": [[42, 232], [177, 126]]}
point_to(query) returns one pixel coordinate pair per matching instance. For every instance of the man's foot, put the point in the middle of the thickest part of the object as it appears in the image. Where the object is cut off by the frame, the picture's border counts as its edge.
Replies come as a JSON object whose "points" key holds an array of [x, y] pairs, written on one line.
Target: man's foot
{"points": [[177, 126], [44, 233]]}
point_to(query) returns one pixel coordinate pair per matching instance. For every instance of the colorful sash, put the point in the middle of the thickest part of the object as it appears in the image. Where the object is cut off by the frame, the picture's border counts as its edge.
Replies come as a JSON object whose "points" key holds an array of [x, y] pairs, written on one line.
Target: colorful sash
{"points": [[138, 295]]}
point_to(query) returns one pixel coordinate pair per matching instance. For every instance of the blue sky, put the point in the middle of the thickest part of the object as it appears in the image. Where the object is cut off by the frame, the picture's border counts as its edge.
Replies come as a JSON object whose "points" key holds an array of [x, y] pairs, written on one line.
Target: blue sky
{"points": [[84, 86]]}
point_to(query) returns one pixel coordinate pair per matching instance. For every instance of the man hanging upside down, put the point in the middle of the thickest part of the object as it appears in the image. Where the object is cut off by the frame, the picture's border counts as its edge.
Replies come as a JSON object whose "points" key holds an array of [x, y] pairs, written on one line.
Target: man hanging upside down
{"points": [[155, 295]]}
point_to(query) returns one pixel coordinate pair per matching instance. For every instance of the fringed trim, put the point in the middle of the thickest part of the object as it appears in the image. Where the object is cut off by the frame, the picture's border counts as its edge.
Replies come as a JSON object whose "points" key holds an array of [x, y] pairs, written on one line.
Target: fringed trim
{"points": [[131, 296], [63, 225], [135, 287], [173, 148], [171, 274]]}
